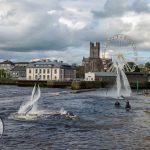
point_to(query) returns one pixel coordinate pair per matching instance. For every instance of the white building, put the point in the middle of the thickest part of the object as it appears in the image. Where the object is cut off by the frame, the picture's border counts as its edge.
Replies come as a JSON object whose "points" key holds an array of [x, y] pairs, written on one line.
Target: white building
{"points": [[99, 76], [50, 71], [6, 65]]}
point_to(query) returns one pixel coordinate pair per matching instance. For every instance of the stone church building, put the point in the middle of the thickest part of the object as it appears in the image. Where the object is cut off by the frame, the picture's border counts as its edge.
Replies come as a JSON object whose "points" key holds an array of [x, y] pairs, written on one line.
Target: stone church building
{"points": [[94, 62]]}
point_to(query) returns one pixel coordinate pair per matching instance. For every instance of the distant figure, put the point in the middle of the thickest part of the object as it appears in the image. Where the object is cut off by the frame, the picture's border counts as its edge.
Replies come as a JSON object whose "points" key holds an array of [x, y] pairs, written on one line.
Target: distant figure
{"points": [[117, 104], [128, 106], [69, 114]]}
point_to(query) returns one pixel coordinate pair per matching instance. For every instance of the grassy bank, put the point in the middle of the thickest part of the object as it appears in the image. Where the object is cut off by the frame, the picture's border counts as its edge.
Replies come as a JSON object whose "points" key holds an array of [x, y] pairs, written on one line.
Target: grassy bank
{"points": [[88, 85]]}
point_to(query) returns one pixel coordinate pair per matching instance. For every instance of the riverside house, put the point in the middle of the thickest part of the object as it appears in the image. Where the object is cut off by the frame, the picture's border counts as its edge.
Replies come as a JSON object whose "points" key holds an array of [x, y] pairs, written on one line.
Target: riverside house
{"points": [[6, 65], [56, 71]]}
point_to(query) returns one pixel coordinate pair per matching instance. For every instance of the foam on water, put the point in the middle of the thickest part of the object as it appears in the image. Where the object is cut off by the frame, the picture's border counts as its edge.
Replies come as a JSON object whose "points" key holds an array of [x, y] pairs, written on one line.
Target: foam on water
{"points": [[122, 87], [1, 127]]}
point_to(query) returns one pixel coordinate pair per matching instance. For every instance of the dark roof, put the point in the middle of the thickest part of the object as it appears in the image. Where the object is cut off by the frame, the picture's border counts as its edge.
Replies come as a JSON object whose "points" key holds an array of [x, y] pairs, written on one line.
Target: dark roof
{"points": [[19, 68], [21, 62], [7, 62], [49, 64], [105, 74]]}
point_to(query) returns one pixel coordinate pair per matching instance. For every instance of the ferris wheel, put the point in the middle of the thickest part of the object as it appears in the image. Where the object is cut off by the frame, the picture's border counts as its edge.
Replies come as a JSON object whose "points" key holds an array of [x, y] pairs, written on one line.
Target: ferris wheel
{"points": [[122, 48]]}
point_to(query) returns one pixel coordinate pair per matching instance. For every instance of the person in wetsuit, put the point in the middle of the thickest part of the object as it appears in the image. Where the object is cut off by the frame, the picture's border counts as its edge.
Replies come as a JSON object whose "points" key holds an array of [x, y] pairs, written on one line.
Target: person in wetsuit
{"points": [[128, 106], [117, 104]]}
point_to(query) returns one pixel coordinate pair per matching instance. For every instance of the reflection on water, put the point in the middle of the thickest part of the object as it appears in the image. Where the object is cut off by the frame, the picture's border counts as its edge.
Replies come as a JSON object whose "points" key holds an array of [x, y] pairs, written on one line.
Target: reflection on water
{"points": [[100, 125]]}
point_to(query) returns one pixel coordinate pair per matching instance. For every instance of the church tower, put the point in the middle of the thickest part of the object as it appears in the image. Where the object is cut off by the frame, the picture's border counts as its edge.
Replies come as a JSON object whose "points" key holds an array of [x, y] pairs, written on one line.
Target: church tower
{"points": [[94, 62], [94, 50]]}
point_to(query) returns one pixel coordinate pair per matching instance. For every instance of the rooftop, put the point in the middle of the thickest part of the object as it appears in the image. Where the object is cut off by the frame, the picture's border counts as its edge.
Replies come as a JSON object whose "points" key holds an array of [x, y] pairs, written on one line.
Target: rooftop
{"points": [[19, 68], [57, 64], [7, 62], [104, 74]]}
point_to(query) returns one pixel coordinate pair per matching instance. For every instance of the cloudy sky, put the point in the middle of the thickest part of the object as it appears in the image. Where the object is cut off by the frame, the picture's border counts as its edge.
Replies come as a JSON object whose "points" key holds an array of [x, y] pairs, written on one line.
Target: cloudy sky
{"points": [[62, 29]]}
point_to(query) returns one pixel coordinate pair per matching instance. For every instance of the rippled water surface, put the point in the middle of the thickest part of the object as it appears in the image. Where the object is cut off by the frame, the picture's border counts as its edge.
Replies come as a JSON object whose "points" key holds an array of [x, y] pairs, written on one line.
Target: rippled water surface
{"points": [[100, 125]]}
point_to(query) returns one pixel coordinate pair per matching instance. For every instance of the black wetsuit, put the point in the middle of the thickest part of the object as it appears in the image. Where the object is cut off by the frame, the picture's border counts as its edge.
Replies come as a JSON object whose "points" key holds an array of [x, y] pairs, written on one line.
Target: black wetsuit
{"points": [[117, 104], [128, 105]]}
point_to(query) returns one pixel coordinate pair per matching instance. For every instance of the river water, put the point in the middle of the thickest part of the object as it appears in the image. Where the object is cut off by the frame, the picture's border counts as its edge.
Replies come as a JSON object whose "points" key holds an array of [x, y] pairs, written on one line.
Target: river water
{"points": [[100, 125]]}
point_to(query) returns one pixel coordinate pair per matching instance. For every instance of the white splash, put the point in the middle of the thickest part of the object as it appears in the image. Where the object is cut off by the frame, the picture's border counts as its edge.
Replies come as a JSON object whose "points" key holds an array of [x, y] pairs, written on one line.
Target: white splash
{"points": [[1, 127], [62, 111], [122, 86], [31, 105]]}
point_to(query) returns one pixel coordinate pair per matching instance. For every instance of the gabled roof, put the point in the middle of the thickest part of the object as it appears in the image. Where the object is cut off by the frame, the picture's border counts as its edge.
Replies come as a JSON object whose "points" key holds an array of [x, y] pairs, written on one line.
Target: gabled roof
{"points": [[21, 62]]}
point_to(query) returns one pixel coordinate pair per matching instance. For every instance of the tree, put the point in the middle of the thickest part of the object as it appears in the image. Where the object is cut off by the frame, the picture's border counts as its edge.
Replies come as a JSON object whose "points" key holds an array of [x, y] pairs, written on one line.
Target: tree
{"points": [[79, 71], [3, 73], [137, 69], [147, 67]]}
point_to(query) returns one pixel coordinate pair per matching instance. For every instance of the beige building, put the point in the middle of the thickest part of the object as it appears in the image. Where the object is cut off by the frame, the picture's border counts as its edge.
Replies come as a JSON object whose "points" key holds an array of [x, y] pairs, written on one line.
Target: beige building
{"points": [[57, 71]]}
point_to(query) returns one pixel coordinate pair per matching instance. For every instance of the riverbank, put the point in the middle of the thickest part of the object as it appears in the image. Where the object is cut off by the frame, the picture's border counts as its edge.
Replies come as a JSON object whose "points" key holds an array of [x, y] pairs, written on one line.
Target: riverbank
{"points": [[74, 85], [50, 84]]}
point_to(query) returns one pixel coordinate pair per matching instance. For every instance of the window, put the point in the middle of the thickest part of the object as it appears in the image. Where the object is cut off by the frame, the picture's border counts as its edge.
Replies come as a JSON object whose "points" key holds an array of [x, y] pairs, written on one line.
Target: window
{"points": [[36, 77], [40, 71], [43, 76], [29, 70], [43, 70], [30, 77], [55, 78], [48, 77], [36, 71], [48, 71], [55, 71]]}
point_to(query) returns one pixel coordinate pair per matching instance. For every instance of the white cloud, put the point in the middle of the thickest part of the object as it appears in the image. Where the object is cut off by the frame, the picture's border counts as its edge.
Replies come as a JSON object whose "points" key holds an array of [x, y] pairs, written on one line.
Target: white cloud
{"points": [[132, 18], [72, 24], [52, 12], [41, 28]]}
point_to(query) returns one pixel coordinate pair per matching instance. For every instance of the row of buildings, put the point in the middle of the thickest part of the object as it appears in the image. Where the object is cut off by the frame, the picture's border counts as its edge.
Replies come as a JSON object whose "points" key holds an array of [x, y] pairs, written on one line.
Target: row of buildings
{"points": [[94, 68], [45, 69], [39, 70]]}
